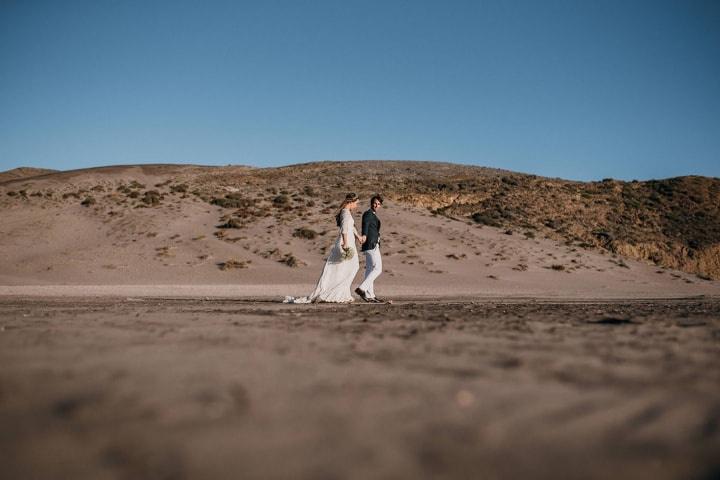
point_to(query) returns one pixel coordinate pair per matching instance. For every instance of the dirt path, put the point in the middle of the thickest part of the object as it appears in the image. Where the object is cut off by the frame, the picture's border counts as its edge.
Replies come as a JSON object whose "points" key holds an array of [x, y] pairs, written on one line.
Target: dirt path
{"points": [[157, 388]]}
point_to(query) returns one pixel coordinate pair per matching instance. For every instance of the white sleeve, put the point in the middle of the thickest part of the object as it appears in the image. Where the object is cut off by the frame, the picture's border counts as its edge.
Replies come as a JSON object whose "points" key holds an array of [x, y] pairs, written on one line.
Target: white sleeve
{"points": [[347, 223]]}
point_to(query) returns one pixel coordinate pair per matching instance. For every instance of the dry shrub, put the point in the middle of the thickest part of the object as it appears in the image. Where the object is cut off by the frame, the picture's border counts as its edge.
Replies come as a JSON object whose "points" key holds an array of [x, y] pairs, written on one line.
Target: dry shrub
{"points": [[622, 264], [281, 200], [306, 233], [232, 264], [485, 219], [290, 260], [164, 251], [152, 197], [88, 201], [233, 200], [231, 223]]}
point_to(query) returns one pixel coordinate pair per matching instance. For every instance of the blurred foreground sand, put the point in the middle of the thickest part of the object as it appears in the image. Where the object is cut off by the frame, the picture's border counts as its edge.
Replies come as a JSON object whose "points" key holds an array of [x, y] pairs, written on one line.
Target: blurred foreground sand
{"points": [[138, 388]]}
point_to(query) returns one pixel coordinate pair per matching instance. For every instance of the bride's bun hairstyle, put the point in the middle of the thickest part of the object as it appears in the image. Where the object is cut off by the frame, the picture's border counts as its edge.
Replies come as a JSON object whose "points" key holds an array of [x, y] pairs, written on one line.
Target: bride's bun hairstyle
{"points": [[349, 198]]}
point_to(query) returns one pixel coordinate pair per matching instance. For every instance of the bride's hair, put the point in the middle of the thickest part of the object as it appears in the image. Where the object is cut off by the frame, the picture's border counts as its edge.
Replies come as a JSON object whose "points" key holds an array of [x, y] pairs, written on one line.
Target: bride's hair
{"points": [[349, 198]]}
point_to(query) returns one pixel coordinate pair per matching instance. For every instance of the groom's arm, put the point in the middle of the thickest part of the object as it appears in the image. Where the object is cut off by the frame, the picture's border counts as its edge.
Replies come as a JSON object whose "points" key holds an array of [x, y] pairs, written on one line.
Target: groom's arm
{"points": [[365, 223]]}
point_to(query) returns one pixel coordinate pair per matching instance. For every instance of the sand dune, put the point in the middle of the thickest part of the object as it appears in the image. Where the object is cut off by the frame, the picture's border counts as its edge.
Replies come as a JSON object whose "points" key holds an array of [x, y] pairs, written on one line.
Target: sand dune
{"points": [[122, 236]]}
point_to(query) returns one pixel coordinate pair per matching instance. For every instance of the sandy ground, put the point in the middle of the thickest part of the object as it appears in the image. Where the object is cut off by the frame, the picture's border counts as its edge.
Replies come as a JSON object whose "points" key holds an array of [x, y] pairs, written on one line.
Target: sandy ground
{"points": [[96, 388], [115, 245]]}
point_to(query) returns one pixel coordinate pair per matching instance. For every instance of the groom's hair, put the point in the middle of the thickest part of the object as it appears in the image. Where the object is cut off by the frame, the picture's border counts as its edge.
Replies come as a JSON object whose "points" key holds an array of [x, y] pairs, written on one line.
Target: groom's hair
{"points": [[376, 197]]}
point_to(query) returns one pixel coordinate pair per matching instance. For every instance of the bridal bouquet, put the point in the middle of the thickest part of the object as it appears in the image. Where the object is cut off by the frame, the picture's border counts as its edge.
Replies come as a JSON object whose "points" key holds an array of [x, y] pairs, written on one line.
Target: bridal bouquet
{"points": [[347, 253]]}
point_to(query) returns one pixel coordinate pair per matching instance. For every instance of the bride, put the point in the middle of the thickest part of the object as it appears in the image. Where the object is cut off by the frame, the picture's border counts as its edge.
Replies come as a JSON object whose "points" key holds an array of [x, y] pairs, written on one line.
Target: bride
{"points": [[342, 263]]}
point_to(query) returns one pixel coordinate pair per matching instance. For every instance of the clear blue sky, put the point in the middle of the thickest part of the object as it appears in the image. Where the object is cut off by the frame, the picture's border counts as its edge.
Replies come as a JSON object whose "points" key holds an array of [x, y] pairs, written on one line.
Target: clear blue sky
{"points": [[574, 89]]}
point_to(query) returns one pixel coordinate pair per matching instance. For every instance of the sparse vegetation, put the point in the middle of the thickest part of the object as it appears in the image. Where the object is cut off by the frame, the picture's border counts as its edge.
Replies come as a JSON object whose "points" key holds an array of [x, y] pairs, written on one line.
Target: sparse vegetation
{"points": [[281, 200], [290, 260], [165, 251], [88, 201], [231, 223], [151, 197], [484, 219], [232, 200], [233, 264], [306, 233], [671, 222]]}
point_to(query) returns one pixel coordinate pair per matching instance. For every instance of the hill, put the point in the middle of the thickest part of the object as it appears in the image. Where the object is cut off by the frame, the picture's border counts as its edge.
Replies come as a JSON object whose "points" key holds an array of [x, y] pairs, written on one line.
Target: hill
{"points": [[448, 228], [673, 222], [23, 172]]}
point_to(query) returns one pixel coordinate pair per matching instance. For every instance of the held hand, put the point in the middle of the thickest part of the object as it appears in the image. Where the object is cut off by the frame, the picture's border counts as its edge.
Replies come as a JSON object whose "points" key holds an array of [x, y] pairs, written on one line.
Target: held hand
{"points": [[363, 238]]}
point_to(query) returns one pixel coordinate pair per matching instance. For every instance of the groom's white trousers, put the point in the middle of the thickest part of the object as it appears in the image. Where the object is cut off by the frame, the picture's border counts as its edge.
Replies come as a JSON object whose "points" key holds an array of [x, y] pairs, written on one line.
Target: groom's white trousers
{"points": [[373, 269]]}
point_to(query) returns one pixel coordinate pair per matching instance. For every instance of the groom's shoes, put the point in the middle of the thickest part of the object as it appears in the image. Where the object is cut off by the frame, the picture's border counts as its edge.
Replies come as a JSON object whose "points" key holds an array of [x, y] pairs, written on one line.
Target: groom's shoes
{"points": [[377, 300], [362, 295]]}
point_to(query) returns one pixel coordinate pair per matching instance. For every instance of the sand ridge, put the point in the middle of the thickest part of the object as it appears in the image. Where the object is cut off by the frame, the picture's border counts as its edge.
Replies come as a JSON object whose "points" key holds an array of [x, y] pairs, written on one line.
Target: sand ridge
{"points": [[280, 237]]}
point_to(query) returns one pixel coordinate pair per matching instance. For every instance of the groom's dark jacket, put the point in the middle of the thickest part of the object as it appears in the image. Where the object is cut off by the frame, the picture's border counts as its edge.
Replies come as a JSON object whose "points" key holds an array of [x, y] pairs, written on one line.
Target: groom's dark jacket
{"points": [[371, 229]]}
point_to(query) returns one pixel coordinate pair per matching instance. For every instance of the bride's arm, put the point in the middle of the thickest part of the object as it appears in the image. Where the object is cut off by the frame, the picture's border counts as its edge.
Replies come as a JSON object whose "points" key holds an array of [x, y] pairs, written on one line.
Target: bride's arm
{"points": [[347, 221], [345, 230]]}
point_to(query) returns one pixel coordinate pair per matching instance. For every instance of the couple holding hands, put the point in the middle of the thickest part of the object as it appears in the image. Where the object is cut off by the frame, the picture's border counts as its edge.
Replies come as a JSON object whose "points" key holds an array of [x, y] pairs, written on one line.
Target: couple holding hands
{"points": [[342, 264]]}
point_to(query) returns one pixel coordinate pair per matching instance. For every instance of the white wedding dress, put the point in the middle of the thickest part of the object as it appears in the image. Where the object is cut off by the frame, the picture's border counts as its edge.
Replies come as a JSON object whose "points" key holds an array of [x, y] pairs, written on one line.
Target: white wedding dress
{"points": [[338, 274]]}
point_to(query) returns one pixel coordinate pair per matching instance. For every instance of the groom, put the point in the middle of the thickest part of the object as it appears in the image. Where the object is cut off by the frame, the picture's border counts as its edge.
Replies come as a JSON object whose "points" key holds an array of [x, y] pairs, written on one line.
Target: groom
{"points": [[371, 247]]}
